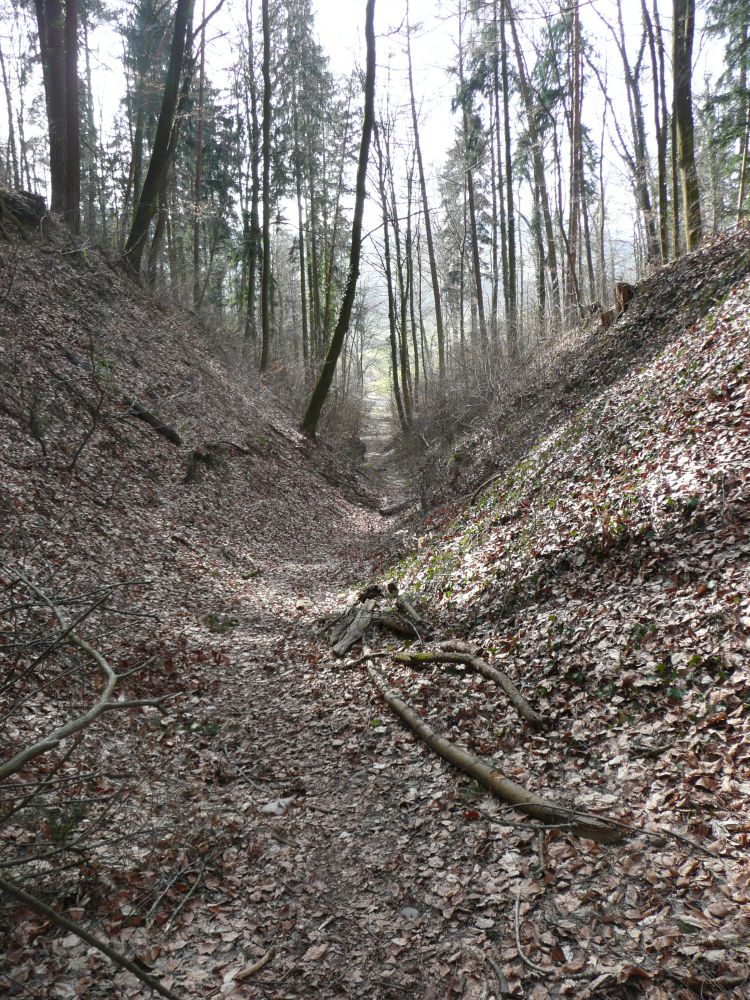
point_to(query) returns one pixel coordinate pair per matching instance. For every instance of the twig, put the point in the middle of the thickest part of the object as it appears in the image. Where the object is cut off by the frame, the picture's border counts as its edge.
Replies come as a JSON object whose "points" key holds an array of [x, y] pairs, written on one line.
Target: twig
{"points": [[105, 702], [524, 959], [115, 956], [256, 967], [502, 982], [188, 897]]}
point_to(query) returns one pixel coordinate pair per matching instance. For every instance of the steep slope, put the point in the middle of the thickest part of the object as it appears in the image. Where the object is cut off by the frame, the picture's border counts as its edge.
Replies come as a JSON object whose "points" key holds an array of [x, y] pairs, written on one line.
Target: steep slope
{"points": [[275, 832], [608, 572]]}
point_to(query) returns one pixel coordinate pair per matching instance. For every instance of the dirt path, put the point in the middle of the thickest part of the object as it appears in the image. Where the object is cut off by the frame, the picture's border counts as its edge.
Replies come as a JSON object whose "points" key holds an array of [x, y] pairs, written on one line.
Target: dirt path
{"points": [[390, 480], [336, 853]]}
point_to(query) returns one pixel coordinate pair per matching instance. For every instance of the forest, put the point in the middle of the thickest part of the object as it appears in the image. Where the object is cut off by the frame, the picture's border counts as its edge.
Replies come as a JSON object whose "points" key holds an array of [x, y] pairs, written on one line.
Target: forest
{"points": [[374, 499]]}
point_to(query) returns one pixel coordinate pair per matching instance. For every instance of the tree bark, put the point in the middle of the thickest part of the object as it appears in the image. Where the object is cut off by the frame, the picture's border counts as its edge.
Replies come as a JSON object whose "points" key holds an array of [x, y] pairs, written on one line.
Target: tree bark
{"points": [[322, 388], [135, 245], [51, 21], [434, 279], [660, 126], [538, 161], [683, 26], [265, 281], [199, 167]]}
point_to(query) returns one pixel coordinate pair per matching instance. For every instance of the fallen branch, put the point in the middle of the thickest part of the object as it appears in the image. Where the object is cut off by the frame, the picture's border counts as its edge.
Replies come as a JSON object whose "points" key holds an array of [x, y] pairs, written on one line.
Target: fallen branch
{"points": [[517, 920], [481, 666], [483, 486], [104, 704], [255, 967], [404, 605], [547, 810], [153, 421], [115, 956]]}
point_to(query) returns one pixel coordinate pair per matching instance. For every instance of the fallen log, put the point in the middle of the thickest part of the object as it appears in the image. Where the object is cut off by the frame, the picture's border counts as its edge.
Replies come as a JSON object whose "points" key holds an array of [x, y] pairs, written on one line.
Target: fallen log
{"points": [[502, 680], [404, 605], [395, 623], [550, 812], [153, 421], [356, 630], [397, 508]]}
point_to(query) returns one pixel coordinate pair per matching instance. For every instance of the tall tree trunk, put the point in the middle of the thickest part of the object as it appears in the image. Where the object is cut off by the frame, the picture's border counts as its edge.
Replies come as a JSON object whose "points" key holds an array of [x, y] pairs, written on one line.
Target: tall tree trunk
{"points": [[512, 284], [661, 136], [253, 248], [322, 388], [640, 164], [439, 329], [477, 269], [392, 331], [159, 161], [265, 284], [576, 153], [300, 235], [92, 180], [403, 324], [72, 120], [744, 149], [51, 23], [15, 174], [538, 161], [683, 26], [199, 166]]}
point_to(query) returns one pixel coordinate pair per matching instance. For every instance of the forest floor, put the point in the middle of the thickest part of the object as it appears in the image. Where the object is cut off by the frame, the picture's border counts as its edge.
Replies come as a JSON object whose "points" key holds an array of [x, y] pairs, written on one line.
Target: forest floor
{"points": [[277, 833]]}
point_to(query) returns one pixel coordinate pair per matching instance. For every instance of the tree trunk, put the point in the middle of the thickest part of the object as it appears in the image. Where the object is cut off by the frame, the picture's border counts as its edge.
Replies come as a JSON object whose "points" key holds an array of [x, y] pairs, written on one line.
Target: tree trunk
{"points": [[511, 318], [476, 264], [683, 26], [199, 167], [135, 245], [576, 150], [744, 149], [300, 236], [252, 250], [72, 120], [265, 281], [322, 388], [660, 126], [538, 161], [439, 329], [51, 23], [15, 174]]}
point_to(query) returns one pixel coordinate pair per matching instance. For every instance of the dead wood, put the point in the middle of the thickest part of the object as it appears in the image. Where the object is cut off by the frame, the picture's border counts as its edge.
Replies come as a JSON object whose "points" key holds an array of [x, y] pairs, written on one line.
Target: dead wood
{"points": [[483, 486], [404, 605], [106, 701], [547, 810], [16, 892], [342, 625], [397, 508], [153, 421], [481, 666], [356, 630], [395, 623]]}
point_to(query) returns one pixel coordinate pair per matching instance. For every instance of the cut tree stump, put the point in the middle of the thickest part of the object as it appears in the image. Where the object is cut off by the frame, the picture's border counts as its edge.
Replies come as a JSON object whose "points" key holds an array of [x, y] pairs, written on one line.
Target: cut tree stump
{"points": [[357, 628], [548, 811]]}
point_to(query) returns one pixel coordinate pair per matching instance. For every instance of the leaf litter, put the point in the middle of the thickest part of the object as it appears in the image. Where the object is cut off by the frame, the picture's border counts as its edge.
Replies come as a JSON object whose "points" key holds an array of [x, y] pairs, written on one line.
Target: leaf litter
{"points": [[300, 842]]}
